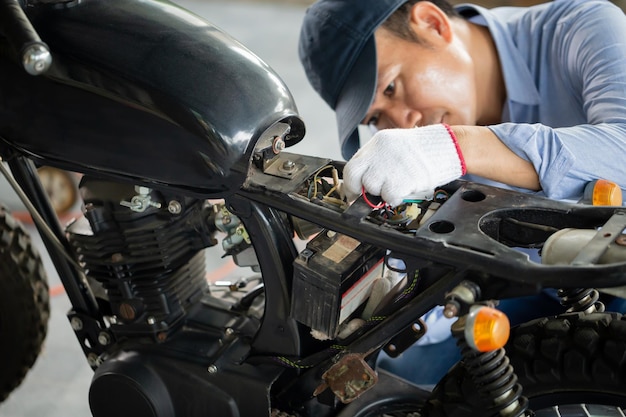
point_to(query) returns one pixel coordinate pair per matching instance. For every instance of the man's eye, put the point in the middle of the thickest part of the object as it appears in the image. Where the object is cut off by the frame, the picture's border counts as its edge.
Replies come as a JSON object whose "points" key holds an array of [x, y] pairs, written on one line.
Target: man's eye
{"points": [[391, 88], [373, 121]]}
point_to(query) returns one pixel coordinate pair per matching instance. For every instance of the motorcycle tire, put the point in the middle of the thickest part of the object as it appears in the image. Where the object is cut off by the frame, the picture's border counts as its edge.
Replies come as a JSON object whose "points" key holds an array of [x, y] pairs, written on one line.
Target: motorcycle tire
{"points": [[24, 303], [573, 364]]}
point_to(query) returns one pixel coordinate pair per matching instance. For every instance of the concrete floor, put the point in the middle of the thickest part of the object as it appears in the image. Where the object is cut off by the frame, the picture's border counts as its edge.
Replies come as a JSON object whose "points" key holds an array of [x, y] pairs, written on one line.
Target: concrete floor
{"points": [[58, 384]]}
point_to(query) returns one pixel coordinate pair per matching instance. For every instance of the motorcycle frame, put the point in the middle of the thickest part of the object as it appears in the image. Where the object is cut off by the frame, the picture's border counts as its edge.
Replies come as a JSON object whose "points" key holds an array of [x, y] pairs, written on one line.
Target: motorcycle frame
{"points": [[476, 255]]}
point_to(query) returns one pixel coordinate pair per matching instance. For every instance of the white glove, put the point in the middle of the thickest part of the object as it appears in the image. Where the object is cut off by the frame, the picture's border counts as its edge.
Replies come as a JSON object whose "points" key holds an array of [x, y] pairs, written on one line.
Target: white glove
{"points": [[400, 163]]}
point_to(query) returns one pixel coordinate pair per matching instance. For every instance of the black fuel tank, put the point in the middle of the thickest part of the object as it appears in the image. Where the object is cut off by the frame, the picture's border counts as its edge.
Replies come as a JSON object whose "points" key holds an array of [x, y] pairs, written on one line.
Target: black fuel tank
{"points": [[142, 90]]}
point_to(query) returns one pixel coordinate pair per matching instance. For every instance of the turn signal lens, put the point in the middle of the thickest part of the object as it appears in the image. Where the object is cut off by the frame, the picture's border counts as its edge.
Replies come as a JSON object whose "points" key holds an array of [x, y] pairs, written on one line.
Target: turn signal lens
{"points": [[606, 193], [486, 329]]}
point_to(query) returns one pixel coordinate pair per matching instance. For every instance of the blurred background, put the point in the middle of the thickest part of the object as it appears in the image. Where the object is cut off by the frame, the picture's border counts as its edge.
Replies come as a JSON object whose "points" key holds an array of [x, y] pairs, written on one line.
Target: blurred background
{"points": [[58, 384]]}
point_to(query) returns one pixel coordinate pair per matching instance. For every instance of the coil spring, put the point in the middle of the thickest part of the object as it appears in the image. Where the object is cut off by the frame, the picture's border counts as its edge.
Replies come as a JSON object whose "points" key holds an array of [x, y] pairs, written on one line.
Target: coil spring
{"points": [[494, 378], [581, 300]]}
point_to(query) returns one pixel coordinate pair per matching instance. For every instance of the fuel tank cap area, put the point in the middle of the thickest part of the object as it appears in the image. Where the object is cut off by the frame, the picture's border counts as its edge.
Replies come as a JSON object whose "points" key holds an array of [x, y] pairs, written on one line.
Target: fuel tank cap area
{"points": [[144, 91]]}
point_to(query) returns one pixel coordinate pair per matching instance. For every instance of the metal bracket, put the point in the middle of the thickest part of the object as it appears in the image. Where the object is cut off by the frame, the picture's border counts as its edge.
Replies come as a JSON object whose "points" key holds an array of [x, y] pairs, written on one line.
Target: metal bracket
{"points": [[603, 238], [350, 377], [405, 339]]}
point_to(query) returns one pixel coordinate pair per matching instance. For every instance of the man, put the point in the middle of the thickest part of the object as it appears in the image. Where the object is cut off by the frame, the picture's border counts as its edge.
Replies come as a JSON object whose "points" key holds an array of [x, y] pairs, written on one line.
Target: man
{"points": [[532, 98]]}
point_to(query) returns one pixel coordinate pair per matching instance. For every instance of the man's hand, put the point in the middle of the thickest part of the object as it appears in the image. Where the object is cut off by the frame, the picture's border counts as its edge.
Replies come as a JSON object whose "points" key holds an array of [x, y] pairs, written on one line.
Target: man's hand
{"points": [[400, 163]]}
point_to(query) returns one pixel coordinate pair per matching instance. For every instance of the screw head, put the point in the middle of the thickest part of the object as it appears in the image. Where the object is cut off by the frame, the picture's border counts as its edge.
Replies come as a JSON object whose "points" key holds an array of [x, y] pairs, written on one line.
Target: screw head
{"points": [[289, 165], [76, 323], [104, 338], [451, 310], [93, 360], [278, 145], [174, 207]]}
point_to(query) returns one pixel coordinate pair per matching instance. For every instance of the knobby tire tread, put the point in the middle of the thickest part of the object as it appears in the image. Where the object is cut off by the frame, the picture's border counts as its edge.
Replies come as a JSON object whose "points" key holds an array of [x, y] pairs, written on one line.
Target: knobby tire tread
{"points": [[24, 303], [577, 352]]}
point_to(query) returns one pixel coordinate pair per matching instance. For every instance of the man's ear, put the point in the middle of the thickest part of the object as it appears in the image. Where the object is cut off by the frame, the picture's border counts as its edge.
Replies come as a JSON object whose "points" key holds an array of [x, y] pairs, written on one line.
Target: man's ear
{"points": [[430, 23]]}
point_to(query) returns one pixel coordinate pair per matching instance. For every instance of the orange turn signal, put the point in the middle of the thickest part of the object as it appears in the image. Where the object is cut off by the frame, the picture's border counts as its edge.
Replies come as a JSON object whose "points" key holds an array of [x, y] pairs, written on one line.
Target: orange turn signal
{"points": [[486, 328], [606, 193]]}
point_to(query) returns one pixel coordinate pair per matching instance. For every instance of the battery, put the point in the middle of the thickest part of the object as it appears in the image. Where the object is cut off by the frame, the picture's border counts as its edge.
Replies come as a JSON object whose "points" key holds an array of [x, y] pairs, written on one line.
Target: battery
{"points": [[332, 278]]}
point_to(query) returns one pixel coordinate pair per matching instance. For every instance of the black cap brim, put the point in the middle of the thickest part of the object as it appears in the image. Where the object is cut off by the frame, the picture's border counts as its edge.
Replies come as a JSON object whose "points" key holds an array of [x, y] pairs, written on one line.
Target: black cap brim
{"points": [[355, 98]]}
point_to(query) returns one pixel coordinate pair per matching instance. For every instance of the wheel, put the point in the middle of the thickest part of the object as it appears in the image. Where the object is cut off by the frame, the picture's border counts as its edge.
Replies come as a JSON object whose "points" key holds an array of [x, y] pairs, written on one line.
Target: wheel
{"points": [[24, 304], [573, 364]]}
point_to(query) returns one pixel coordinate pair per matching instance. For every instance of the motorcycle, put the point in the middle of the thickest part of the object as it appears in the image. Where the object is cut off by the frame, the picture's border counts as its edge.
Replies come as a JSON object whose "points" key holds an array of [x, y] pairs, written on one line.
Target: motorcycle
{"points": [[180, 135]]}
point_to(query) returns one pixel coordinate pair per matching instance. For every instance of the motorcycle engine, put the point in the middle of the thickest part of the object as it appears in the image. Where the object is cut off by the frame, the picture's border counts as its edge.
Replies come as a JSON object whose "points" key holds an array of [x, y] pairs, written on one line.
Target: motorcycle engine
{"points": [[149, 261], [143, 252]]}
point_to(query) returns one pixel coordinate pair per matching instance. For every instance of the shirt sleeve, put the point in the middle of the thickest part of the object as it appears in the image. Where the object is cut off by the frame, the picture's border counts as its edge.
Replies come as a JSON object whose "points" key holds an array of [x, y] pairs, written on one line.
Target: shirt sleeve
{"points": [[591, 50]]}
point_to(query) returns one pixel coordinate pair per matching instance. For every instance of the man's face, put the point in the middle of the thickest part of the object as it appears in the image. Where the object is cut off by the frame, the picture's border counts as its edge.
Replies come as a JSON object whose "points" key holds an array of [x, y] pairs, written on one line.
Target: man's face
{"points": [[421, 84]]}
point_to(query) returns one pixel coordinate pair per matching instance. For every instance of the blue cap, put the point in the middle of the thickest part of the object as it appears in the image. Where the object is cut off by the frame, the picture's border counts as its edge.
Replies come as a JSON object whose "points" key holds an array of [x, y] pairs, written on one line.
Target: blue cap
{"points": [[338, 52]]}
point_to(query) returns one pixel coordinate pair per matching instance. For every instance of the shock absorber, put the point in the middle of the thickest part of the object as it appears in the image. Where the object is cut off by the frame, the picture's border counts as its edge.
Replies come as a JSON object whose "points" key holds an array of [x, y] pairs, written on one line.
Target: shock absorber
{"points": [[586, 246], [491, 372], [585, 300], [481, 332]]}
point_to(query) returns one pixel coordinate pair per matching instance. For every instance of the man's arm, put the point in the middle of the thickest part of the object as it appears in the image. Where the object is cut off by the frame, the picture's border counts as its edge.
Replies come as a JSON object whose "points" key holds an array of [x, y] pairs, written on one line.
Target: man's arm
{"points": [[580, 131], [486, 156]]}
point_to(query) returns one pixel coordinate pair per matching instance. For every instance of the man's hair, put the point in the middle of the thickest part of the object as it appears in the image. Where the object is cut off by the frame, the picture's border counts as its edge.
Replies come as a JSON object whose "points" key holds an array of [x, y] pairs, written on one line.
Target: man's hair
{"points": [[398, 22]]}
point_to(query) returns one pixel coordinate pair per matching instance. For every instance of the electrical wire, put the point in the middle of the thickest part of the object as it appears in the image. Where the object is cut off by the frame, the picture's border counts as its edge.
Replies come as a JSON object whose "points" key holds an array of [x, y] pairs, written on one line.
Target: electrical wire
{"points": [[369, 203]]}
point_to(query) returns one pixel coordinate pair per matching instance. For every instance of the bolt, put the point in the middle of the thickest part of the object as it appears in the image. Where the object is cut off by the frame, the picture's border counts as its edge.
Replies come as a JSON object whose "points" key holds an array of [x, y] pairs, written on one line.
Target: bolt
{"points": [[77, 323], [151, 320], [104, 338], [289, 165], [451, 310], [174, 207], [93, 360], [212, 369], [229, 332], [278, 145], [36, 59], [331, 233], [127, 311]]}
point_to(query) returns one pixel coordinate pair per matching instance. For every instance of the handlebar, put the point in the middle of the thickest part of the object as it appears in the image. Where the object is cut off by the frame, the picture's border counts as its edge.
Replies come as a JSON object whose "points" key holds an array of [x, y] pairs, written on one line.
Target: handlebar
{"points": [[33, 53]]}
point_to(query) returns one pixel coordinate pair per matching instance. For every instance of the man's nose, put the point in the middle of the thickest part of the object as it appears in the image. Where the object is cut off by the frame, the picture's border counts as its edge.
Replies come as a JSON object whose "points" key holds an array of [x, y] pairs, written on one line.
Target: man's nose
{"points": [[404, 117]]}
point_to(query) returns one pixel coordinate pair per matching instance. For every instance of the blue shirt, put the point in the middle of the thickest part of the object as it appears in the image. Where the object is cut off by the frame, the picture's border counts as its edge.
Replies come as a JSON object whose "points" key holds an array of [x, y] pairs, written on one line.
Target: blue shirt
{"points": [[564, 66]]}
